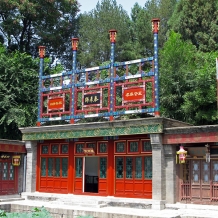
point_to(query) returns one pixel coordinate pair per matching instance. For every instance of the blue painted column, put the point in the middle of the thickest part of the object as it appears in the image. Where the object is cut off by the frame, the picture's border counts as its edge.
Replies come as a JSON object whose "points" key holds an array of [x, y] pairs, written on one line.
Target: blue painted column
{"points": [[41, 69], [74, 49], [113, 34], [155, 28]]}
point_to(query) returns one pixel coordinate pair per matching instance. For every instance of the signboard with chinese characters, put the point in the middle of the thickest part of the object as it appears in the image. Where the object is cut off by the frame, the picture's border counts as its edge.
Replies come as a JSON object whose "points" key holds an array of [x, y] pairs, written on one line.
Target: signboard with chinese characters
{"points": [[133, 94], [88, 151], [55, 104], [91, 99], [4, 156]]}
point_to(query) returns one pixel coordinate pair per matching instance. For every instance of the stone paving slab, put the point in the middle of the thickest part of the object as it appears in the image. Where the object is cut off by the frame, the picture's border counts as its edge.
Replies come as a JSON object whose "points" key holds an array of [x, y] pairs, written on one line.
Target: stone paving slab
{"points": [[67, 211]]}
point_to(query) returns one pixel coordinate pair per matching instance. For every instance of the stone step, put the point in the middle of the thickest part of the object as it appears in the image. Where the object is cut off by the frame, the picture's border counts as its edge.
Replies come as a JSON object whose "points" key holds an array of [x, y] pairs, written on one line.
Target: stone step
{"points": [[11, 199]]}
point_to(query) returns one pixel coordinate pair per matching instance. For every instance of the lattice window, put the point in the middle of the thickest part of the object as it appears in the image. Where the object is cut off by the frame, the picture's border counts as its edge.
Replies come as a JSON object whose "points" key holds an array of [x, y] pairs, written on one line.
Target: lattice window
{"points": [[43, 166], [79, 167], [44, 149], [148, 167], [133, 146], [186, 170], [102, 147], [146, 146], [57, 167], [196, 171], [206, 172], [91, 145], [5, 171], [11, 172], [120, 147], [54, 149], [64, 167], [215, 171], [119, 167], [103, 167], [50, 166], [138, 167], [64, 149], [79, 148], [129, 167]]}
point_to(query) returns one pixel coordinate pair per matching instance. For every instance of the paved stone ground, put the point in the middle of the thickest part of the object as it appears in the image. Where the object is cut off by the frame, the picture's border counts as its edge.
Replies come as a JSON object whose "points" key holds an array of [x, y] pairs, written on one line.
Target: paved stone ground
{"points": [[59, 209]]}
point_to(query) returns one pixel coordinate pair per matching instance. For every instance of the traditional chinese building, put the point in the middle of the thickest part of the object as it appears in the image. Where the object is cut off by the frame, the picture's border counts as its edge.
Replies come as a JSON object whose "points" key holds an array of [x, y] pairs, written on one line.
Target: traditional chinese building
{"points": [[12, 167], [114, 155], [197, 178]]}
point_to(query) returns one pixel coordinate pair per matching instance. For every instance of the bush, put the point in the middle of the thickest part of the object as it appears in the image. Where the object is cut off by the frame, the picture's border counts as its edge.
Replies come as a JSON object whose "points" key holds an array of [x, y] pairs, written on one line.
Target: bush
{"points": [[42, 212]]}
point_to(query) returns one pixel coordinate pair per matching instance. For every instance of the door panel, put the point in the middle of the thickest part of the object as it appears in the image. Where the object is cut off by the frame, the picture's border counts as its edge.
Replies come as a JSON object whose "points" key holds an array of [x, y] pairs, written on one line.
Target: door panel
{"points": [[54, 174], [200, 183], [78, 184], [133, 176], [196, 180], [8, 173], [102, 181], [205, 181]]}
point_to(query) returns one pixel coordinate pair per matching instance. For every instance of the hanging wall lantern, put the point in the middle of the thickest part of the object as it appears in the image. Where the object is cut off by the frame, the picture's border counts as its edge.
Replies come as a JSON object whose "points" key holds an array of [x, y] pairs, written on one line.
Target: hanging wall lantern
{"points": [[16, 160], [181, 155]]}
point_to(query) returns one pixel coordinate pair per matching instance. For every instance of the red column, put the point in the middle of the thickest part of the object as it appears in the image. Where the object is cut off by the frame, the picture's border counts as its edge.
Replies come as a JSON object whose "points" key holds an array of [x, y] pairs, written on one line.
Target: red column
{"points": [[71, 168], [38, 168], [111, 171]]}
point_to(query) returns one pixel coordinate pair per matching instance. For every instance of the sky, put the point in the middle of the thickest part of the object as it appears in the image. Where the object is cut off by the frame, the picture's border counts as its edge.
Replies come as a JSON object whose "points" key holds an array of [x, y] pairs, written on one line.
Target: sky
{"points": [[88, 5]]}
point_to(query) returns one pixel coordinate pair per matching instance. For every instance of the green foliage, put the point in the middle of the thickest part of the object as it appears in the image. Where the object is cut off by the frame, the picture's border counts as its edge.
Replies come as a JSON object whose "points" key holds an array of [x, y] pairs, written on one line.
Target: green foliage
{"points": [[200, 104], [188, 82], [18, 92], [197, 20], [37, 212], [30, 23]]}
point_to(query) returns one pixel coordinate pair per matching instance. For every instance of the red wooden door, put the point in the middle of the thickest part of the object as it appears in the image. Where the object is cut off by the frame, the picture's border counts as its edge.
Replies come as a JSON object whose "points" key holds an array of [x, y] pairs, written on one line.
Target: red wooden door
{"points": [[8, 177], [133, 176], [54, 174]]}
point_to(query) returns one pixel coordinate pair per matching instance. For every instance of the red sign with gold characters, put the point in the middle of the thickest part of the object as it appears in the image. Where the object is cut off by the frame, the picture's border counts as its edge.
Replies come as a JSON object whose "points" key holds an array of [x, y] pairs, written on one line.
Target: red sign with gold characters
{"points": [[132, 94], [55, 104]]}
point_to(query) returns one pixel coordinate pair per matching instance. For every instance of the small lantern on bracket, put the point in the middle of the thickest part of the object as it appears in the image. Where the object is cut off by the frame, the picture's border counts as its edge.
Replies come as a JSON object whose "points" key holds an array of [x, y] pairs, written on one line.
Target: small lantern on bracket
{"points": [[181, 155]]}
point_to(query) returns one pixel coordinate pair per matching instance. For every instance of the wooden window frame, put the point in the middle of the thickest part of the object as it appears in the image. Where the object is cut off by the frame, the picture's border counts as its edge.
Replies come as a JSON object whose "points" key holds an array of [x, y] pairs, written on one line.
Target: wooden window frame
{"points": [[41, 145], [133, 152], [145, 152], [125, 149], [98, 147], [53, 154], [76, 143]]}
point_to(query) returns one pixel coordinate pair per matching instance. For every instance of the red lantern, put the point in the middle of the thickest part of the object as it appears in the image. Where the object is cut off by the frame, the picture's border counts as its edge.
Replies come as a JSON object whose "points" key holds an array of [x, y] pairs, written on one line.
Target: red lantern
{"points": [[182, 155]]}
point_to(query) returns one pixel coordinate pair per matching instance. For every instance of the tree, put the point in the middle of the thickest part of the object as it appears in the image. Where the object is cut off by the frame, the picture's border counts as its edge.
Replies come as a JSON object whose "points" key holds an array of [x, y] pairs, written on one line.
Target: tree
{"points": [[142, 33], [200, 103], [18, 92], [141, 24], [188, 82], [176, 72], [94, 44], [26, 24], [197, 20]]}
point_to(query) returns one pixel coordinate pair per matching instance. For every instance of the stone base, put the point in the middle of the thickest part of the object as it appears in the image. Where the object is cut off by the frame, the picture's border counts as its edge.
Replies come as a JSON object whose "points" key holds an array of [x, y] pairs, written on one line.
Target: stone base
{"points": [[158, 205]]}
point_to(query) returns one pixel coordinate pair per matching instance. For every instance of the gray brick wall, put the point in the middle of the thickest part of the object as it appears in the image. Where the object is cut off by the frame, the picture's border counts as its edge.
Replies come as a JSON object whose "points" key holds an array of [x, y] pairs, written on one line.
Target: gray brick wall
{"points": [[158, 168], [170, 165], [31, 147]]}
